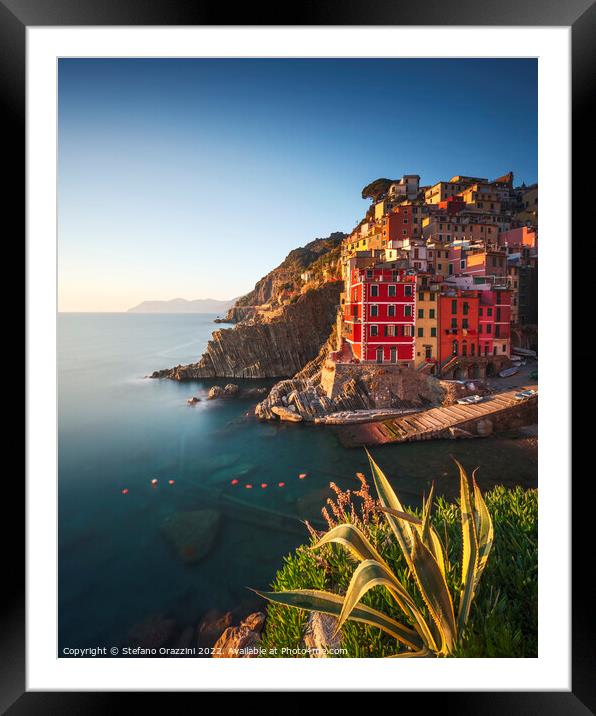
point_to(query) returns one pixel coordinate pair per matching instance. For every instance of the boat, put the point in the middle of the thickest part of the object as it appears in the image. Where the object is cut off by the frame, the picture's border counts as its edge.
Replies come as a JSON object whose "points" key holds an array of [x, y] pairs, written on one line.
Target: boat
{"points": [[470, 400], [525, 352], [509, 371], [525, 394]]}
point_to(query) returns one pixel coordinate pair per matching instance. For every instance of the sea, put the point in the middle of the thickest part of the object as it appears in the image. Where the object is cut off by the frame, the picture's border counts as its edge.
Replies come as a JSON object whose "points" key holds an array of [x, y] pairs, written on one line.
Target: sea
{"points": [[119, 431]]}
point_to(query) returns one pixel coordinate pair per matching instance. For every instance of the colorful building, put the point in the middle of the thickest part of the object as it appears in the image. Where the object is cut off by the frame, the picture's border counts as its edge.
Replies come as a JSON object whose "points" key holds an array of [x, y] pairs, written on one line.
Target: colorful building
{"points": [[494, 323], [379, 315], [458, 325], [427, 322]]}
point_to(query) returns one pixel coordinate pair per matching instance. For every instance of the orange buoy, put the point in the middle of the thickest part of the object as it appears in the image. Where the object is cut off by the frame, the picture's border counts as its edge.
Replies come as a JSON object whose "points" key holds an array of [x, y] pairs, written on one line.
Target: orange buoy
{"points": [[154, 481], [263, 485], [302, 475], [248, 487], [125, 491], [234, 482], [170, 482], [281, 484]]}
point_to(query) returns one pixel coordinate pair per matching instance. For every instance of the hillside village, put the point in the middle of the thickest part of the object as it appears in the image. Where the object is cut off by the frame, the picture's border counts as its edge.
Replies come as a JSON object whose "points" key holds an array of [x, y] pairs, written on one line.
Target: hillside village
{"points": [[441, 278]]}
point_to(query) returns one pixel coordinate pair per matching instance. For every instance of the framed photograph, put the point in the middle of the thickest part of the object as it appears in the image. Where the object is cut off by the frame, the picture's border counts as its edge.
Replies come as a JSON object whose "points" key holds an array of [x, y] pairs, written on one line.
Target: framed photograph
{"points": [[285, 310]]}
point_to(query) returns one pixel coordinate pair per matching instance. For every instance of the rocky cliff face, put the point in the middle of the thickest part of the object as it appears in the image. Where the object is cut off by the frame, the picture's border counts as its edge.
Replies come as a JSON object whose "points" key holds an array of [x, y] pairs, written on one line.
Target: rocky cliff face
{"points": [[281, 324], [278, 344], [285, 281]]}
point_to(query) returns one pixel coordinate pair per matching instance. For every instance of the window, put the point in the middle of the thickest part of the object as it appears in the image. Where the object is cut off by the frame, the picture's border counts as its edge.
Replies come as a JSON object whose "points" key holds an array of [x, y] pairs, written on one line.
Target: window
{"points": [[389, 330], [421, 313], [407, 310], [464, 323], [431, 312], [433, 332], [421, 333], [504, 348], [489, 328], [480, 311], [408, 331], [462, 264], [391, 290], [421, 296], [374, 310], [407, 290], [432, 298], [454, 323], [466, 308], [374, 290], [489, 311], [453, 306], [374, 330], [391, 311]]}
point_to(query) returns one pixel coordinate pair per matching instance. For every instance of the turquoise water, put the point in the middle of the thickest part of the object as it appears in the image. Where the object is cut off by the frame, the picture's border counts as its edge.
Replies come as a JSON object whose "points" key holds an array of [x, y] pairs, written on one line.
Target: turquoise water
{"points": [[119, 430]]}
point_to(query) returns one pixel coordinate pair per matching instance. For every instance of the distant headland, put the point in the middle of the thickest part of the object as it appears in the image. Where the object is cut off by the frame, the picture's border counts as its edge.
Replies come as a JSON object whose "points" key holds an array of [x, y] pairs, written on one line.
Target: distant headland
{"points": [[181, 305]]}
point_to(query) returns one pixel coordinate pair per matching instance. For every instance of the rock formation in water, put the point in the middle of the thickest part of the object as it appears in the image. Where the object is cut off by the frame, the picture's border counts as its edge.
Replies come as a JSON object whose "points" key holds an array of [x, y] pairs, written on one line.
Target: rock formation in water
{"points": [[280, 325]]}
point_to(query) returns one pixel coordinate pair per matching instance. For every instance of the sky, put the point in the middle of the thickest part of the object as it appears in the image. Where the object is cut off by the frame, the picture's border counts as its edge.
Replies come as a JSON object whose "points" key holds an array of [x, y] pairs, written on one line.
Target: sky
{"points": [[193, 178]]}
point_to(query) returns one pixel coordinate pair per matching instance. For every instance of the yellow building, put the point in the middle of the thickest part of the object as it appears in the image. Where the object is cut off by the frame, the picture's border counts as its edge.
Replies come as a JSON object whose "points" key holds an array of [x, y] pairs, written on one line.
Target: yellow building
{"points": [[427, 324], [441, 191]]}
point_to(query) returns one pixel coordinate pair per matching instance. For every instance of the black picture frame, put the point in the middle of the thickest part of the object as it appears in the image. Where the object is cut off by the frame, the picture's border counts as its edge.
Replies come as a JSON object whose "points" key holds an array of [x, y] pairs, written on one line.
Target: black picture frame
{"points": [[580, 15]]}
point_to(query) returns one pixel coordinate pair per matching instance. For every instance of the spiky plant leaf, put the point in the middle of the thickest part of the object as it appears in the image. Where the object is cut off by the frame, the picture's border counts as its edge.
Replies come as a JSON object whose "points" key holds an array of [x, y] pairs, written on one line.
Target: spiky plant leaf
{"points": [[433, 541], [370, 574], [469, 549], [484, 529], [329, 603], [349, 536], [387, 497], [435, 592]]}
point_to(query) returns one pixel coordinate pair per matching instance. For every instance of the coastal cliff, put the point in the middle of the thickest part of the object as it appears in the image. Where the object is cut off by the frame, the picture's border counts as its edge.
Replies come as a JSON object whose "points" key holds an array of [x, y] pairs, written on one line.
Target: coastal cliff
{"points": [[280, 325]]}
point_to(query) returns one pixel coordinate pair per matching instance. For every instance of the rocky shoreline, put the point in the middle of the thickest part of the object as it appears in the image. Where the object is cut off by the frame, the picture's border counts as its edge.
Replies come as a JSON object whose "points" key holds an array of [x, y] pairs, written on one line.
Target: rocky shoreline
{"points": [[276, 345]]}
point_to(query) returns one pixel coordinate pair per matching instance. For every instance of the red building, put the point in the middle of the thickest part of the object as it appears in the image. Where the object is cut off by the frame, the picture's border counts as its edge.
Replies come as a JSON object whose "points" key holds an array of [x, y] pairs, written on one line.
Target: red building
{"points": [[494, 323], [404, 222], [458, 324], [379, 313]]}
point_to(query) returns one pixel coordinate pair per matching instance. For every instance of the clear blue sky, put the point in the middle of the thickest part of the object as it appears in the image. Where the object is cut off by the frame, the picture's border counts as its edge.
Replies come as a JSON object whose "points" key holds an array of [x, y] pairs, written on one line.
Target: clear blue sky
{"points": [[193, 178]]}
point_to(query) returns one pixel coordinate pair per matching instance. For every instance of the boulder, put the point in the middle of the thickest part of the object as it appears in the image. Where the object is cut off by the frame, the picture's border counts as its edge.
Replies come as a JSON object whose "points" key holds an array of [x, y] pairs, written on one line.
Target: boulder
{"points": [[192, 533], [215, 392], [231, 390], [242, 641], [286, 414], [319, 635]]}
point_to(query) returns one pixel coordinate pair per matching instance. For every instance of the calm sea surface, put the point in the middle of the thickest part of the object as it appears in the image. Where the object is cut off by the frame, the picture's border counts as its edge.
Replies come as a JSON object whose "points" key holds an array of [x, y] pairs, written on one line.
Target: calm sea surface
{"points": [[119, 430]]}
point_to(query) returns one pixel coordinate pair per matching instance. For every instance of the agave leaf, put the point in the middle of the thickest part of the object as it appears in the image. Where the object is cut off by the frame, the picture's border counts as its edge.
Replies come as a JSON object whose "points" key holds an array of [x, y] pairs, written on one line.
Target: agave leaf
{"points": [[433, 542], [484, 529], [329, 603], [422, 653], [354, 540], [435, 592], [470, 549], [370, 574], [400, 526]]}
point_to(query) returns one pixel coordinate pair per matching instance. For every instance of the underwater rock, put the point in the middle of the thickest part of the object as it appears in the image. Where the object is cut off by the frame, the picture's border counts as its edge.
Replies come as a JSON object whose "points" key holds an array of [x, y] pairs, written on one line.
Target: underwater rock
{"points": [[192, 533]]}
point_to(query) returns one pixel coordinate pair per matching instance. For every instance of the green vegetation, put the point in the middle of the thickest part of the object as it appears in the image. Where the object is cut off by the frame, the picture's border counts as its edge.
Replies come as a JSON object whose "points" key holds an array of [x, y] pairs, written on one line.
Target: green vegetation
{"points": [[497, 617], [377, 188]]}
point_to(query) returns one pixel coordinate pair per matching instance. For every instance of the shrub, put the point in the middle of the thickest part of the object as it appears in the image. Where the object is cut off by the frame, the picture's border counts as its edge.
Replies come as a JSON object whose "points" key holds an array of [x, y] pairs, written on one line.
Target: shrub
{"points": [[503, 616]]}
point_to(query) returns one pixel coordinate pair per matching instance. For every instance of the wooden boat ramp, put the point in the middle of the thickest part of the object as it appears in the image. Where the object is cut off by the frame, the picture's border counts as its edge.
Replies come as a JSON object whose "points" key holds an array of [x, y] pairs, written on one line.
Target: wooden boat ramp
{"points": [[501, 411]]}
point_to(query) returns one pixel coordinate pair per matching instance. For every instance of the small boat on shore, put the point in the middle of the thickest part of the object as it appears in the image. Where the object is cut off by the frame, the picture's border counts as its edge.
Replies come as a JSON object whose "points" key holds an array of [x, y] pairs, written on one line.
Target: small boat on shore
{"points": [[526, 352], [509, 372]]}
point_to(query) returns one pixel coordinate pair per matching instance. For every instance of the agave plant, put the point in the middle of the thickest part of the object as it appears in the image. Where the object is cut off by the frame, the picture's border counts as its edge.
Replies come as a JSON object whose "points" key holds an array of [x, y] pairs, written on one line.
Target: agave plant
{"points": [[432, 634]]}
